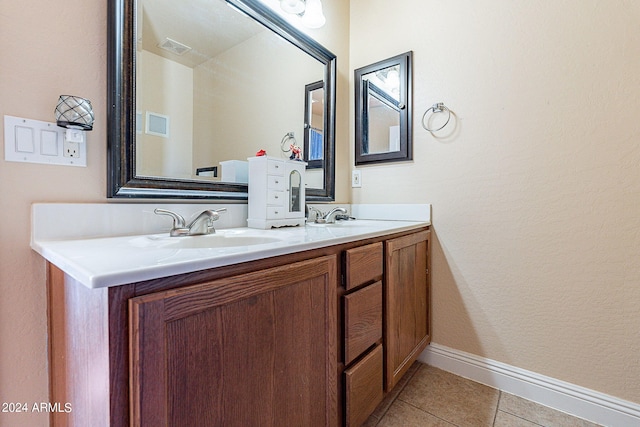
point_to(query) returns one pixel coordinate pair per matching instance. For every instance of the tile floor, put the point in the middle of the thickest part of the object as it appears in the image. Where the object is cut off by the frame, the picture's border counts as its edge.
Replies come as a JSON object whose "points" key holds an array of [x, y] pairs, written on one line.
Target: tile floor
{"points": [[430, 397]]}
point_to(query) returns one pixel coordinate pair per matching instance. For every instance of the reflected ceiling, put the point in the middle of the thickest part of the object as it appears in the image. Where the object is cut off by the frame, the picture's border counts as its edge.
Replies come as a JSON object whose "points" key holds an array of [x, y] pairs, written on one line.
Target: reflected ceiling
{"points": [[195, 25]]}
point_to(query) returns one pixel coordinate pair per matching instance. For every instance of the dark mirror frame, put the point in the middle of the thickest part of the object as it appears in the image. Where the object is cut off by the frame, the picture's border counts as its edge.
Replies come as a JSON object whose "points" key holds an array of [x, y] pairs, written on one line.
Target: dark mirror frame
{"points": [[404, 108], [308, 90], [122, 181]]}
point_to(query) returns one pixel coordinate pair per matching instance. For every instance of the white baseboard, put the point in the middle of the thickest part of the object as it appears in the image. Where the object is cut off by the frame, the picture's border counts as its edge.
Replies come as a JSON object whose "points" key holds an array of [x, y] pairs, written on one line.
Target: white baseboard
{"points": [[573, 399]]}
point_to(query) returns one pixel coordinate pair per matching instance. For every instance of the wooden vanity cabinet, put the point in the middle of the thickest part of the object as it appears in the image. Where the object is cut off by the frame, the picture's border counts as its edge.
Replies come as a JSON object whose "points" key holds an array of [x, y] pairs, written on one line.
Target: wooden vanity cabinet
{"points": [[310, 338]]}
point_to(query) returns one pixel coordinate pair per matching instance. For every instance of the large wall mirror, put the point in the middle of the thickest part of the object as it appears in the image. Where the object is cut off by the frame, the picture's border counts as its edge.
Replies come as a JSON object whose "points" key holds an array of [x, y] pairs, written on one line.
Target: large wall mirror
{"points": [[198, 86], [383, 111]]}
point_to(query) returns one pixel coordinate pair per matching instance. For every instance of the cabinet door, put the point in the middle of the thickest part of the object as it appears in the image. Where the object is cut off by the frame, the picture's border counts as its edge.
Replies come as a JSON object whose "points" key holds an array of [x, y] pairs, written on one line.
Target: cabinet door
{"points": [[257, 349], [407, 330]]}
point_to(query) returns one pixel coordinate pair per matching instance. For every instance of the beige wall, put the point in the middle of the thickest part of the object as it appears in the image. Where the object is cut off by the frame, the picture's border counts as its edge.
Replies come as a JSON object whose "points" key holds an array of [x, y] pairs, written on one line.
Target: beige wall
{"points": [[157, 155], [243, 113], [49, 49], [535, 186], [535, 190]]}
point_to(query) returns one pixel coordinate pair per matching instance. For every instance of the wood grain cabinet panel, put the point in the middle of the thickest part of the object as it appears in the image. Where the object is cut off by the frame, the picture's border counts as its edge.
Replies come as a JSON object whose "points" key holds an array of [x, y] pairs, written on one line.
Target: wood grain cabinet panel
{"points": [[252, 344], [363, 264], [258, 349], [363, 387], [362, 320], [406, 303]]}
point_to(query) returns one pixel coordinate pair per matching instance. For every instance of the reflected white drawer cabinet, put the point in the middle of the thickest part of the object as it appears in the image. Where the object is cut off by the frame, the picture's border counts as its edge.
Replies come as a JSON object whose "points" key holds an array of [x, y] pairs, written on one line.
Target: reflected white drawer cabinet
{"points": [[276, 192]]}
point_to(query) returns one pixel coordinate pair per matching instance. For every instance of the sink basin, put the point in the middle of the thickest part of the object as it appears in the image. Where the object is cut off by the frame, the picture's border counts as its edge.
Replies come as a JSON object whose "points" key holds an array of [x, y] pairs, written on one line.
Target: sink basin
{"points": [[219, 241], [347, 224]]}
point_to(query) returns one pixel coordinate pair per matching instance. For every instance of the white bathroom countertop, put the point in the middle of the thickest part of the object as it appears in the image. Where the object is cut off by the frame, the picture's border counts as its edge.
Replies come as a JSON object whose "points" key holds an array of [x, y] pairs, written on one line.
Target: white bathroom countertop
{"points": [[110, 261]]}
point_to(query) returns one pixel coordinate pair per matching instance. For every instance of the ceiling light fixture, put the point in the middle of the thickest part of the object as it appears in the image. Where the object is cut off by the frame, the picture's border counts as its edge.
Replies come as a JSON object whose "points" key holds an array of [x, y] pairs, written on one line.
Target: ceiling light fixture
{"points": [[292, 6], [313, 16], [309, 11]]}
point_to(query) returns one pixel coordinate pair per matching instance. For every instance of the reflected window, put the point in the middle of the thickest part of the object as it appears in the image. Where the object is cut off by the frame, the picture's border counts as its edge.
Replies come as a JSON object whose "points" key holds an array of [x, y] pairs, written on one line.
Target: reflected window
{"points": [[313, 151], [315, 144]]}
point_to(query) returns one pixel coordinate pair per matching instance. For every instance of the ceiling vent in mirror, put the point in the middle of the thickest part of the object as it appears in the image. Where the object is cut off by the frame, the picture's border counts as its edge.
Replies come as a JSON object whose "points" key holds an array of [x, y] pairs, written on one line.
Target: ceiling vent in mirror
{"points": [[174, 46]]}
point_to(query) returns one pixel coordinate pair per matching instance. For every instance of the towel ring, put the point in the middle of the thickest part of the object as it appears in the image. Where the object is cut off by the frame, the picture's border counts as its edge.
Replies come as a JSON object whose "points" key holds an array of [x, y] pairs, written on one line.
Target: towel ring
{"points": [[438, 107], [288, 137]]}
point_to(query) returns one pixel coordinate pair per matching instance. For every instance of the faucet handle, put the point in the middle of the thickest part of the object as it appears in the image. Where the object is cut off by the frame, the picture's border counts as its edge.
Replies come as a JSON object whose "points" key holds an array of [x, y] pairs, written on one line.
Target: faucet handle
{"points": [[214, 214], [203, 222], [178, 220]]}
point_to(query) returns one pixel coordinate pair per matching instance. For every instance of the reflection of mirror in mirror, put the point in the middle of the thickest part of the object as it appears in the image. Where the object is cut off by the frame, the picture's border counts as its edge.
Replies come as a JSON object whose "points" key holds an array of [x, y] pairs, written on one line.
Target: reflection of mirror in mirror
{"points": [[295, 183], [383, 111], [382, 121], [230, 87], [313, 150]]}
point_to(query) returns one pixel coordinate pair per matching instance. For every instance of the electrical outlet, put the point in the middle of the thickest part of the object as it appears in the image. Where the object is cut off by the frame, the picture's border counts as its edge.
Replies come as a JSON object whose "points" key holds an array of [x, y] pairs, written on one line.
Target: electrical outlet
{"points": [[71, 149], [35, 141], [356, 179]]}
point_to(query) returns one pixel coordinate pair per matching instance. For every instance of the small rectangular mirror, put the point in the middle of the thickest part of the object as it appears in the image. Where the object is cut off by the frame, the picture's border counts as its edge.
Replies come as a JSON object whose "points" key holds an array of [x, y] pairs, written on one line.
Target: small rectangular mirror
{"points": [[383, 111], [314, 125]]}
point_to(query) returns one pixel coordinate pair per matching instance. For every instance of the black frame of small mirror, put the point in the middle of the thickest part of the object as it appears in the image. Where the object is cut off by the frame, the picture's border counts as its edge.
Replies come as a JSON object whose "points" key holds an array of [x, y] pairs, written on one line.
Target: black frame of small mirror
{"points": [[122, 182], [405, 153], [306, 150]]}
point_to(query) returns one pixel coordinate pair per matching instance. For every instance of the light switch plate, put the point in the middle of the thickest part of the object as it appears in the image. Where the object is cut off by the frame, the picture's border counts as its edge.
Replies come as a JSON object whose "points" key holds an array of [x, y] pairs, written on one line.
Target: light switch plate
{"points": [[356, 179], [35, 141]]}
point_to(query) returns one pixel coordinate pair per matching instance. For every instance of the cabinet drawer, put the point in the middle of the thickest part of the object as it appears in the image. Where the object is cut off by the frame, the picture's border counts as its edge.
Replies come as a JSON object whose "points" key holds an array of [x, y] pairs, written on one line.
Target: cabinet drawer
{"points": [[275, 182], [363, 264], [276, 198], [275, 167], [276, 212], [363, 387], [362, 320]]}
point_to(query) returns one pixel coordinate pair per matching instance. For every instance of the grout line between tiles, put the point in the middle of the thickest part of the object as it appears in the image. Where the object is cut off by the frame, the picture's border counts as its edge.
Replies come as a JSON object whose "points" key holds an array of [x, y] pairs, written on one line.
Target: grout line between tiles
{"points": [[397, 390], [520, 417], [410, 376], [427, 412], [495, 414]]}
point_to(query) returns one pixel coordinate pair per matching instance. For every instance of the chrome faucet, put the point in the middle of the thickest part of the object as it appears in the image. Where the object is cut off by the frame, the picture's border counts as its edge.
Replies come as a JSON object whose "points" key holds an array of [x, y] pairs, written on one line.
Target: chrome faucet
{"points": [[315, 215], [330, 217], [202, 224]]}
